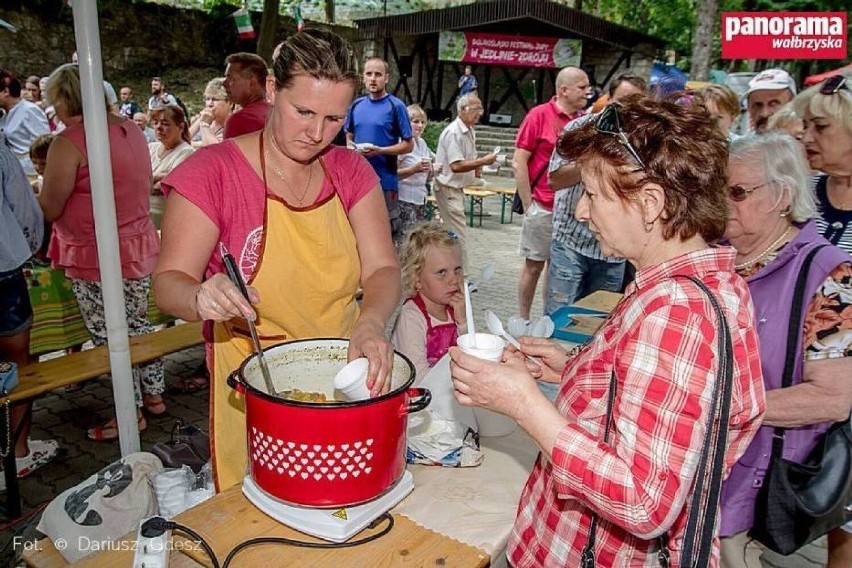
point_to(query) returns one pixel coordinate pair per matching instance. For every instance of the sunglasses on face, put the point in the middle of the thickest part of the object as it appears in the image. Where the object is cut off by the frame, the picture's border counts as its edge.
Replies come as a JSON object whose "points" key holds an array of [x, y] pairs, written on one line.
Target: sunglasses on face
{"points": [[609, 122], [833, 84], [740, 193]]}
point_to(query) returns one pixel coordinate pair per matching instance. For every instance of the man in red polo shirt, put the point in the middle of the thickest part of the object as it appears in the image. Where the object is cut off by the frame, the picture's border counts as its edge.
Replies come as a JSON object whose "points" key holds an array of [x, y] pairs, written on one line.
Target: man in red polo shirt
{"points": [[533, 147], [245, 83]]}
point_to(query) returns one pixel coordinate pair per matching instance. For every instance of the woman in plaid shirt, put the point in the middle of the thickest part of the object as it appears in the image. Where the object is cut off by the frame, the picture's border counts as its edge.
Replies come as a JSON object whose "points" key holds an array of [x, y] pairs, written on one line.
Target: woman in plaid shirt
{"points": [[655, 179]]}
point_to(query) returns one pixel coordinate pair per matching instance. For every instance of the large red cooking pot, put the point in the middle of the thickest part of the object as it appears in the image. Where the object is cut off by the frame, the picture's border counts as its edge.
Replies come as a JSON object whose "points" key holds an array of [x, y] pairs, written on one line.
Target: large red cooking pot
{"points": [[330, 454]]}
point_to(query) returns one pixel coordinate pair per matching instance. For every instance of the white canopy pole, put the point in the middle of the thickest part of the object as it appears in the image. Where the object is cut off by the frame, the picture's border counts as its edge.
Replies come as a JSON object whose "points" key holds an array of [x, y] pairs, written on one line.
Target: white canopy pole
{"points": [[87, 34]]}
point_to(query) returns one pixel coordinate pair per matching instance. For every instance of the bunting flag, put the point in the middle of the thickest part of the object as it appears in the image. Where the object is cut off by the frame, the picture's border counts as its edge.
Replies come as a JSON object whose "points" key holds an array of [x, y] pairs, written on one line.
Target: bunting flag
{"points": [[243, 20], [297, 15]]}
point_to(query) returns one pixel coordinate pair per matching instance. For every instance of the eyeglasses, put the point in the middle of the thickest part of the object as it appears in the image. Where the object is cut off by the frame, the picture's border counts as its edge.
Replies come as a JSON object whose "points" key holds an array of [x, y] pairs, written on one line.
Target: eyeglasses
{"points": [[739, 193], [475, 107], [833, 84], [609, 122]]}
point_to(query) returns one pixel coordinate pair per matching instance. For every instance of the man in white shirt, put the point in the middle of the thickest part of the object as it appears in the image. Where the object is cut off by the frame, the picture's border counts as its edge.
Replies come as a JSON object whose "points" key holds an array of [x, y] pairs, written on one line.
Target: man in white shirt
{"points": [[457, 154], [22, 121]]}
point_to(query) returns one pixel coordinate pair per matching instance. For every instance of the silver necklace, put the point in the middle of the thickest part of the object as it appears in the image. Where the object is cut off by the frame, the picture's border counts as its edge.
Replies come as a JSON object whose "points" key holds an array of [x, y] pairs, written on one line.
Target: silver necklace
{"points": [[765, 252]]}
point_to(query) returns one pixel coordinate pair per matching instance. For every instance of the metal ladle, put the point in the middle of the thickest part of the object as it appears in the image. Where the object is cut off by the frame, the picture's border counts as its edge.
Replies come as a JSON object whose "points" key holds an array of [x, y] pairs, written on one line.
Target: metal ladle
{"points": [[237, 279]]}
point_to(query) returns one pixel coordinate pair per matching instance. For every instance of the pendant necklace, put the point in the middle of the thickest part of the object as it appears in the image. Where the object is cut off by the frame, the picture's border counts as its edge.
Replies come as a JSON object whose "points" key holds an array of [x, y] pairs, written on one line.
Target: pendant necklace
{"points": [[300, 198], [765, 252]]}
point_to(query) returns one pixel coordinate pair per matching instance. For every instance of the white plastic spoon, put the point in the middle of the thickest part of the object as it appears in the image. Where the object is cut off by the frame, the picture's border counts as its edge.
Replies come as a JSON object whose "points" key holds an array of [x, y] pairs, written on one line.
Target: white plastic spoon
{"points": [[495, 326], [468, 312]]}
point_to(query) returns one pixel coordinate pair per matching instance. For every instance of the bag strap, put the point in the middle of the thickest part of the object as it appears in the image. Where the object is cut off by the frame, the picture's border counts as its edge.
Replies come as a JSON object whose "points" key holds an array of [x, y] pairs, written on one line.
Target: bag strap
{"points": [[715, 441], [794, 328], [537, 178]]}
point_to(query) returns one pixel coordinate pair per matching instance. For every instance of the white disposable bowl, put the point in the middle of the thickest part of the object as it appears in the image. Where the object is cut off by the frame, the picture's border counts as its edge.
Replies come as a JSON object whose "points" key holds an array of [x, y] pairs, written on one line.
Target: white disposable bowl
{"points": [[493, 424]]}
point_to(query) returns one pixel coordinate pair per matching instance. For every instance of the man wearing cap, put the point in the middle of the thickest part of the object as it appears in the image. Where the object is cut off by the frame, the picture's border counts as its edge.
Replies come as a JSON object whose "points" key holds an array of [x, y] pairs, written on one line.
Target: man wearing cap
{"points": [[767, 92]]}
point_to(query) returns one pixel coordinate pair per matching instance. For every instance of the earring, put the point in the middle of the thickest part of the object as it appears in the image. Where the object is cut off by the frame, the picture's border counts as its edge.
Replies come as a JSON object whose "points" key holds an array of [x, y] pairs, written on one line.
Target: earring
{"points": [[786, 211]]}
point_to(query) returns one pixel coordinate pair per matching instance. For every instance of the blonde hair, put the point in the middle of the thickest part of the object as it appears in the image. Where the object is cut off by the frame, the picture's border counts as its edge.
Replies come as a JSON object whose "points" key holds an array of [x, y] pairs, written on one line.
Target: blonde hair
{"points": [[836, 107], [415, 109], [216, 87], [63, 90], [417, 242]]}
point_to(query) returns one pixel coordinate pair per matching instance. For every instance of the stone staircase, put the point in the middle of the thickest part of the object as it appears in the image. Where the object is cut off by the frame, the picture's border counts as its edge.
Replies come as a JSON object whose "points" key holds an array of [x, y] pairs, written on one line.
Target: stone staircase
{"points": [[487, 137]]}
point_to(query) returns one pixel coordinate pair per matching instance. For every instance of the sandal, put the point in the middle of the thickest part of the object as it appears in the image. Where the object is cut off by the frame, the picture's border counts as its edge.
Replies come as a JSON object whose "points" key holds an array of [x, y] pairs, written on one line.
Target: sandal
{"points": [[109, 431], [41, 452], [153, 404], [191, 385]]}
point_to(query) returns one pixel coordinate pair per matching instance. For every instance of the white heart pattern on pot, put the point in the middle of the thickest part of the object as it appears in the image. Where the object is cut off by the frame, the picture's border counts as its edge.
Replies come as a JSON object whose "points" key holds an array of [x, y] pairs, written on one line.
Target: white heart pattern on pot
{"points": [[311, 461]]}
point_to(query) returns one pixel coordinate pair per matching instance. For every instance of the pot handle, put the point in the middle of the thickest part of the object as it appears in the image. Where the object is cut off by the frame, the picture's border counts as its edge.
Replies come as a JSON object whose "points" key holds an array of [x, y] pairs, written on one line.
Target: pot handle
{"points": [[236, 384], [420, 399]]}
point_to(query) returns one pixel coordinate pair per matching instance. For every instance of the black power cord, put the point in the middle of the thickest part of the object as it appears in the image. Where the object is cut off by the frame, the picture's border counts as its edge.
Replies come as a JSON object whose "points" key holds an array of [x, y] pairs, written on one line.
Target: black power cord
{"points": [[304, 544], [156, 526]]}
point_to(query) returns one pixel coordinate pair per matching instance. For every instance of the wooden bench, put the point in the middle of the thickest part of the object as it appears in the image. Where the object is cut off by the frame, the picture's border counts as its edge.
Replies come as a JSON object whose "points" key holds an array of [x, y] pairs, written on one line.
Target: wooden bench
{"points": [[507, 197], [37, 379]]}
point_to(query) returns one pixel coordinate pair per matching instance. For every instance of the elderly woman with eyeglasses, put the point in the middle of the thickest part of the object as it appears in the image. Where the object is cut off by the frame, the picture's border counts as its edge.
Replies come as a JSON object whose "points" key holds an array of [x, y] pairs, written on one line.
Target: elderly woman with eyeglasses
{"points": [[826, 110], [623, 441], [208, 127], [771, 228]]}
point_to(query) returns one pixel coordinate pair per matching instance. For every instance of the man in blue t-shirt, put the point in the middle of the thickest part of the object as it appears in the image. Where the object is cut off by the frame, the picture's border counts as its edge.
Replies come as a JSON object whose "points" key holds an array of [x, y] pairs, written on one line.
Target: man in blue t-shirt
{"points": [[377, 125]]}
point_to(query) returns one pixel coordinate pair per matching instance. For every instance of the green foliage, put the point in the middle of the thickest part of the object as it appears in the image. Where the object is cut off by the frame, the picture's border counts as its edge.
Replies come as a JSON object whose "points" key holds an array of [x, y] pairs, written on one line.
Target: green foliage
{"points": [[432, 132]]}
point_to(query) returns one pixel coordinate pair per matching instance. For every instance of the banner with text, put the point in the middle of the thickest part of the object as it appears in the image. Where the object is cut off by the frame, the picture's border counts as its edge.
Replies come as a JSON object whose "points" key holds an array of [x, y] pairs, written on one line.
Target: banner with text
{"points": [[516, 51], [784, 35]]}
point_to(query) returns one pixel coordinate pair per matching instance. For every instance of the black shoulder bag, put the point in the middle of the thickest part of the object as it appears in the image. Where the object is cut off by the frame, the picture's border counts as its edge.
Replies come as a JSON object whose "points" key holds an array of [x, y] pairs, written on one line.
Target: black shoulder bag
{"points": [[517, 204], [800, 502], [701, 523]]}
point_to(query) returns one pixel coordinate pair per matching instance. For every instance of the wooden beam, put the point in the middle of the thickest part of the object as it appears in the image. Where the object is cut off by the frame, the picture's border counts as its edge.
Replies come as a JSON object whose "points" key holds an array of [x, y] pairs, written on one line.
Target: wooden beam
{"points": [[625, 56]]}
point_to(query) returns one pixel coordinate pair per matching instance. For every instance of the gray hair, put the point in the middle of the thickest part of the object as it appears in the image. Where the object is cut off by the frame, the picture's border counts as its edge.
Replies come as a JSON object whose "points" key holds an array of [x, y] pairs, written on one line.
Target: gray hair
{"points": [[780, 157], [464, 101]]}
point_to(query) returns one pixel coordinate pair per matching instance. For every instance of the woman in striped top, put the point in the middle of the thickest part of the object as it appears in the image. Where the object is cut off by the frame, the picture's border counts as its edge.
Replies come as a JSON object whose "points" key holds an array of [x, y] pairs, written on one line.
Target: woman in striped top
{"points": [[827, 113]]}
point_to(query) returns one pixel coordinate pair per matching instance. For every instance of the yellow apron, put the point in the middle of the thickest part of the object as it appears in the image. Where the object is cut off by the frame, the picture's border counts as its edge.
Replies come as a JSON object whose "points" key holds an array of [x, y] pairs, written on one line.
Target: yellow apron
{"points": [[307, 277]]}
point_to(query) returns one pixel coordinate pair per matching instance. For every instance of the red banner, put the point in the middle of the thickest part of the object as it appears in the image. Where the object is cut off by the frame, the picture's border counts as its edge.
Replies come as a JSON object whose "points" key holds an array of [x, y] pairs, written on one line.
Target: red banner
{"points": [[784, 35], [516, 51]]}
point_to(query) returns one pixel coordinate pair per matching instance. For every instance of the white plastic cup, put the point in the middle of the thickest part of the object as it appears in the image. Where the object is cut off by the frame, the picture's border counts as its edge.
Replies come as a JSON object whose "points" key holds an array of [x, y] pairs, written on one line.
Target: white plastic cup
{"points": [[489, 347], [351, 380]]}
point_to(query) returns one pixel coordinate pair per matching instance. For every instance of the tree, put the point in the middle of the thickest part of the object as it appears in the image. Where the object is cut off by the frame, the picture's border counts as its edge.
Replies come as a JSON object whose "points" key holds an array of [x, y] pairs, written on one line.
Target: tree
{"points": [[268, 29], [702, 45]]}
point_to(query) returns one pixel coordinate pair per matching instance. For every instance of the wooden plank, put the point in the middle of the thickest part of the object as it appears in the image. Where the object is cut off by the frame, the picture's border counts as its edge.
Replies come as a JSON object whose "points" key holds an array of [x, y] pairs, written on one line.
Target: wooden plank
{"points": [[229, 519], [600, 300], [39, 378]]}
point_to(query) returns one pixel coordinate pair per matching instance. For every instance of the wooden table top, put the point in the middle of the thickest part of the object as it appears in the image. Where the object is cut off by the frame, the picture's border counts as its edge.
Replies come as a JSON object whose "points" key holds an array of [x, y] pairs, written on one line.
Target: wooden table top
{"points": [[229, 519]]}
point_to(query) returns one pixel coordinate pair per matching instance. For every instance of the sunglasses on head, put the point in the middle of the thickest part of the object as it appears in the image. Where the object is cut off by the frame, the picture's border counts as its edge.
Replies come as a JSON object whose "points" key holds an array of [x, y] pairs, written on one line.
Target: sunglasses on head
{"points": [[609, 122], [833, 84], [739, 193]]}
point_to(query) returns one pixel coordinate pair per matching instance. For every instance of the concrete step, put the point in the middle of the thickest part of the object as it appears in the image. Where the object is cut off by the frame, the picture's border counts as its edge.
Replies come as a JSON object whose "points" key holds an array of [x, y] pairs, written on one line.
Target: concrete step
{"points": [[503, 138], [493, 141]]}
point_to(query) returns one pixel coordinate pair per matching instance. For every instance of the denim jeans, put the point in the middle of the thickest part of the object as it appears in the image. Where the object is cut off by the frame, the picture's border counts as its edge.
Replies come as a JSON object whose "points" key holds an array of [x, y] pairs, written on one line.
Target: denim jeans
{"points": [[572, 276]]}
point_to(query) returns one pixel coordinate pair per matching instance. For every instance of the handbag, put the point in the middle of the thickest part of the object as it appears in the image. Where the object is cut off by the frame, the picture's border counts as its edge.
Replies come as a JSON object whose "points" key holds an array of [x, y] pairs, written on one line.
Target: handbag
{"points": [[700, 525], [8, 382], [800, 502], [188, 446], [517, 203]]}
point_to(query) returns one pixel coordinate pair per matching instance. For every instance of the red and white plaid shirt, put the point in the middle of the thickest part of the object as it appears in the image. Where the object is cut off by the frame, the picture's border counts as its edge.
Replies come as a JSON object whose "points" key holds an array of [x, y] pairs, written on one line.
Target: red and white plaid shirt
{"points": [[661, 342]]}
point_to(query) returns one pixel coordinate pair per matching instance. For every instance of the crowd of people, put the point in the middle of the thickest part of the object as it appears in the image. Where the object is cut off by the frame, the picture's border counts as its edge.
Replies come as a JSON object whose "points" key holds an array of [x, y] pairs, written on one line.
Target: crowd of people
{"points": [[320, 196]]}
